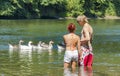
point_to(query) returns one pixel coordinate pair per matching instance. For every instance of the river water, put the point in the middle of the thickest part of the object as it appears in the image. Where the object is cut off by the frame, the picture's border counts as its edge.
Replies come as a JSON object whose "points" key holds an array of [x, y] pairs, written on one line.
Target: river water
{"points": [[106, 47]]}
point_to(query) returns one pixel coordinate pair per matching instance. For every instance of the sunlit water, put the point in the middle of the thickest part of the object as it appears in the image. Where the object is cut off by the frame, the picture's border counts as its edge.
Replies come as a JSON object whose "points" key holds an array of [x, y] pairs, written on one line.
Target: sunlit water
{"points": [[106, 48]]}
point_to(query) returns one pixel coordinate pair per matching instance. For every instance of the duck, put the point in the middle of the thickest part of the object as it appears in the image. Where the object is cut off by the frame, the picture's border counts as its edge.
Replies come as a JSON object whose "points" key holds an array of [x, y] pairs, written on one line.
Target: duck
{"points": [[15, 46], [47, 46], [26, 47], [61, 46]]}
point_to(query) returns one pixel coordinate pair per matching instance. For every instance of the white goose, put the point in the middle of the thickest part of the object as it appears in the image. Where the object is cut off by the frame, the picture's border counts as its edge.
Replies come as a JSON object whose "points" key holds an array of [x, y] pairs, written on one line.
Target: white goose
{"points": [[61, 46], [26, 47], [47, 46], [15, 46], [12, 46]]}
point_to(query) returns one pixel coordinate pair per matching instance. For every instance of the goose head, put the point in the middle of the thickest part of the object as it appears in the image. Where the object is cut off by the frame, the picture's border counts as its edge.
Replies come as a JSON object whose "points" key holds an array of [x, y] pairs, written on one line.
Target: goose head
{"points": [[51, 42], [21, 41]]}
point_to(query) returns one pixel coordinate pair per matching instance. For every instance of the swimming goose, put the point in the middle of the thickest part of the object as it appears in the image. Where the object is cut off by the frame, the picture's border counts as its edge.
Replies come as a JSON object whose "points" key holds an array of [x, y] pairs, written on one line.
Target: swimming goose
{"points": [[26, 47], [12, 46], [61, 46], [47, 46], [15, 46]]}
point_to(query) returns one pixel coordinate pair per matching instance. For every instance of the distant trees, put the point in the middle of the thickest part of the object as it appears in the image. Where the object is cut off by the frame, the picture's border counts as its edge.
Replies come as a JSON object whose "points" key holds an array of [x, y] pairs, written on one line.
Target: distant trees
{"points": [[58, 8]]}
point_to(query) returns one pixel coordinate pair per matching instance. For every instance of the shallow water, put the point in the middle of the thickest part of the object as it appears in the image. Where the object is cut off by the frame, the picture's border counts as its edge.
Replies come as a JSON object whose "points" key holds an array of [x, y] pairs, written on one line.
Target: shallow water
{"points": [[50, 62]]}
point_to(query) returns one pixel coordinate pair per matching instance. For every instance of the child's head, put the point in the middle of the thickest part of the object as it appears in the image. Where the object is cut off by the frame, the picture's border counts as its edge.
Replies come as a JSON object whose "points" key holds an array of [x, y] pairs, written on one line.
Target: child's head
{"points": [[71, 27]]}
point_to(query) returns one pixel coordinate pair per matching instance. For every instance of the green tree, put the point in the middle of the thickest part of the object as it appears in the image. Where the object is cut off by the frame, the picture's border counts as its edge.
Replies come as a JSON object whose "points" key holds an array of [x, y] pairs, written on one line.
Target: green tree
{"points": [[58, 8], [95, 8], [6, 8], [52, 8], [74, 7]]}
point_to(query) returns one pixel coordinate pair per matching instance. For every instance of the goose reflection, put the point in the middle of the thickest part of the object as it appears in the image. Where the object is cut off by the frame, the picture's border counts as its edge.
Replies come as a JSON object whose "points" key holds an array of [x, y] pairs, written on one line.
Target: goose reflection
{"points": [[12, 54], [50, 57], [26, 55], [60, 51], [50, 51], [39, 51], [26, 61]]}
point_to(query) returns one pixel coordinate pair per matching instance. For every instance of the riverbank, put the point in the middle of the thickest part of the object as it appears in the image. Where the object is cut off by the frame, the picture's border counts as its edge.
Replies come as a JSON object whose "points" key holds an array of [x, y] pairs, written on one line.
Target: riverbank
{"points": [[110, 17], [106, 17]]}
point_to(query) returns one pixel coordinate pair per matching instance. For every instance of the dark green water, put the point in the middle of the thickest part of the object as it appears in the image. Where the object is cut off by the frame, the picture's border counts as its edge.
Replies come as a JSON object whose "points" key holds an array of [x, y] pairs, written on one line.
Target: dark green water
{"points": [[106, 47]]}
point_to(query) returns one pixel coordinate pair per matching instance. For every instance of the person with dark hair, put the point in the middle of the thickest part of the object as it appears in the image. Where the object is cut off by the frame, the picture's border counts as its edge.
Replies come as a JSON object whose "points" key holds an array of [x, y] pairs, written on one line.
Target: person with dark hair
{"points": [[72, 42], [86, 56]]}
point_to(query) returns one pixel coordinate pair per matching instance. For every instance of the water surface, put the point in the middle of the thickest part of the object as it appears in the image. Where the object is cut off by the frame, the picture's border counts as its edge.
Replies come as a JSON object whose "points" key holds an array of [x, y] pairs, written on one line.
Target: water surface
{"points": [[50, 62]]}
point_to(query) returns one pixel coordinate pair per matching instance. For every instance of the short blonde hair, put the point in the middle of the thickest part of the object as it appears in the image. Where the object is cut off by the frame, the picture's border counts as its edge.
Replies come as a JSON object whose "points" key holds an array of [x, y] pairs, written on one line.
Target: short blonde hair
{"points": [[82, 18]]}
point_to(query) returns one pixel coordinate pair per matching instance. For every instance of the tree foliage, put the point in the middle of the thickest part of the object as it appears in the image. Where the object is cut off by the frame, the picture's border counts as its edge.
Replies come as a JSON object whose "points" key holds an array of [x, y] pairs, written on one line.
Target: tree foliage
{"points": [[58, 8]]}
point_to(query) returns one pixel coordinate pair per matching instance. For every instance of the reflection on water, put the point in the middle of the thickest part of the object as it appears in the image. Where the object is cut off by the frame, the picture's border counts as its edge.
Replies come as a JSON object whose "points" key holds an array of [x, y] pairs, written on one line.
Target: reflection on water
{"points": [[67, 72], [11, 53], [26, 60], [60, 51], [39, 51], [50, 51], [25, 55], [84, 71]]}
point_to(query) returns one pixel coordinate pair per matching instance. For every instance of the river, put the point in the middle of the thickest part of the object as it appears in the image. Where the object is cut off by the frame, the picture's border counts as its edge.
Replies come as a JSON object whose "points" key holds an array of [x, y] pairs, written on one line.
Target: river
{"points": [[106, 47]]}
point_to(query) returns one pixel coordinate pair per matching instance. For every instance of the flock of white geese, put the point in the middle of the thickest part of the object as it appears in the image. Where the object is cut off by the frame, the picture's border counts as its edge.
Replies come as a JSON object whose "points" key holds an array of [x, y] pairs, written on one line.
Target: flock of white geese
{"points": [[40, 46]]}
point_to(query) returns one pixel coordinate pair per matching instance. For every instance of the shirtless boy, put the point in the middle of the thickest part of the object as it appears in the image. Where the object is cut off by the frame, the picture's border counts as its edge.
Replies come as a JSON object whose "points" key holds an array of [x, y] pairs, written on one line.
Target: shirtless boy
{"points": [[86, 41], [72, 42]]}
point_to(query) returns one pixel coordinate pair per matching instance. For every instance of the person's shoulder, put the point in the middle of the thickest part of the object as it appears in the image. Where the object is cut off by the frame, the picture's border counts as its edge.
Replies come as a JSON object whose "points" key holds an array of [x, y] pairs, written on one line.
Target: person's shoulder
{"points": [[86, 27]]}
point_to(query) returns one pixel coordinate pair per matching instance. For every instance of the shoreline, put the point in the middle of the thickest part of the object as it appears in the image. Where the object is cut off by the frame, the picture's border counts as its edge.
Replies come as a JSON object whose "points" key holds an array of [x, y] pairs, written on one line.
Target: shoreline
{"points": [[106, 17], [110, 17]]}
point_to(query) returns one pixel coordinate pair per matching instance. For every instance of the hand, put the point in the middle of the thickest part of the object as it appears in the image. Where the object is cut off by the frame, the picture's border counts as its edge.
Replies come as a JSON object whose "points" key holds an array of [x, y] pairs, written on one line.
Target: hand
{"points": [[80, 59]]}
